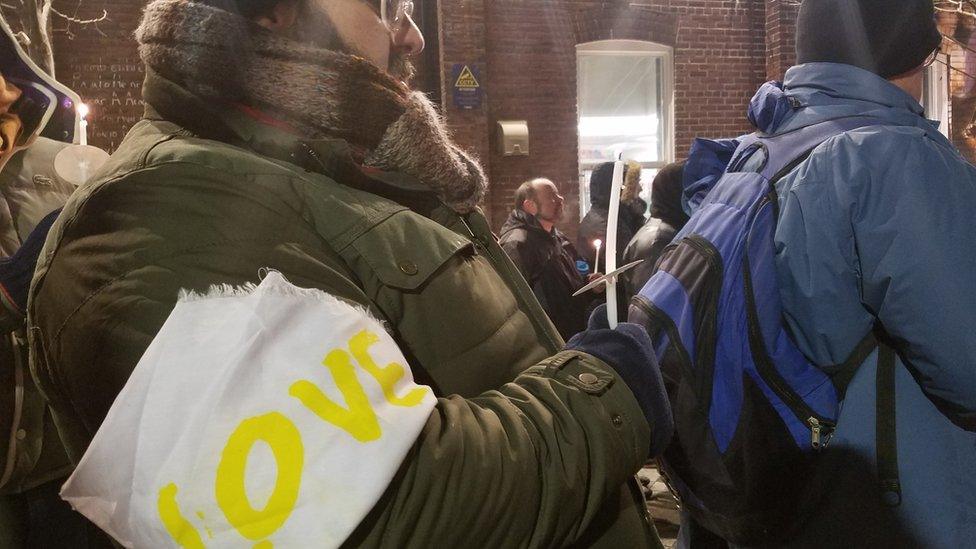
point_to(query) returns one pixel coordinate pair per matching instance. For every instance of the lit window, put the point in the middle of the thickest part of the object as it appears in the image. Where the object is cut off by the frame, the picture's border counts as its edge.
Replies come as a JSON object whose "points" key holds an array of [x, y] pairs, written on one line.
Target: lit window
{"points": [[625, 107], [935, 92]]}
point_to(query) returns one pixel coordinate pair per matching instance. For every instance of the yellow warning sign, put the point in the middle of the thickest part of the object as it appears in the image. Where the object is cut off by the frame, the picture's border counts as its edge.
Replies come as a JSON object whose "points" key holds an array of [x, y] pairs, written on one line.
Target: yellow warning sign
{"points": [[466, 79]]}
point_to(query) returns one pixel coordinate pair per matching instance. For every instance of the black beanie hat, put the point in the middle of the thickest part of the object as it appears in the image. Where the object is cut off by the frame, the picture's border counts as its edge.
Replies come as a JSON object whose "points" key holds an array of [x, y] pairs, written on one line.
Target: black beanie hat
{"points": [[886, 37]]}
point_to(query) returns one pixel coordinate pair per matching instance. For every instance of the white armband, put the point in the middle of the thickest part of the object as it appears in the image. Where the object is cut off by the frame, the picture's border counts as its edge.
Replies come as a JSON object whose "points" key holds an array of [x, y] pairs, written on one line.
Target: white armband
{"points": [[258, 417]]}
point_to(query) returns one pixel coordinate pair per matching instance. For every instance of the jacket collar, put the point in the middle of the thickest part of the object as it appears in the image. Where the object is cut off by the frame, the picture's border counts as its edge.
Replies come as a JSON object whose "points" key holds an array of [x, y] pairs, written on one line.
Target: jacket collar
{"points": [[820, 83], [520, 219], [823, 91]]}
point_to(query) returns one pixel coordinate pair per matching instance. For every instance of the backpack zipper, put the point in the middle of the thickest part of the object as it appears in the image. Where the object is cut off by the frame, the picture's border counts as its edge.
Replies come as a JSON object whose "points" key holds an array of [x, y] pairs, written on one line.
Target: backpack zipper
{"points": [[820, 427]]}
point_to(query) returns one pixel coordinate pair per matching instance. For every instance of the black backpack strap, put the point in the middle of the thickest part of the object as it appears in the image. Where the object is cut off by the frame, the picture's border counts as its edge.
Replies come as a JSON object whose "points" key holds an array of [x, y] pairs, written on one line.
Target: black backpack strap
{"points": [[886, 438], [844, 373], [886, 445]]}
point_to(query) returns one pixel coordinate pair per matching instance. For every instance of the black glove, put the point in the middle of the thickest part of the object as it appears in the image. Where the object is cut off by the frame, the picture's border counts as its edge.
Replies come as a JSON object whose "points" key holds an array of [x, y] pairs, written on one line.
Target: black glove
{"points": [[629, 351]]}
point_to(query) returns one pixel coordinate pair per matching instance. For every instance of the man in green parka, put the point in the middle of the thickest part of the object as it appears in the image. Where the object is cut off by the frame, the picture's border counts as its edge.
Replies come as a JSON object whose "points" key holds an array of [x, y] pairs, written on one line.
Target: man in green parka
{"points": [[280, 134]]}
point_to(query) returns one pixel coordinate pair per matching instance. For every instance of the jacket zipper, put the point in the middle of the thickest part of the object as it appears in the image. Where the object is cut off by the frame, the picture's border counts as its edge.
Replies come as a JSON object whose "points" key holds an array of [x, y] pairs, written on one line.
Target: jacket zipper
{"points": [[820, 427]]}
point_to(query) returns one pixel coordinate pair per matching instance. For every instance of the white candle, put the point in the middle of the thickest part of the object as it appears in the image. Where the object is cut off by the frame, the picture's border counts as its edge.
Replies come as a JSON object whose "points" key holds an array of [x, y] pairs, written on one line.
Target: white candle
{"points": [[611, 251], [596, 261], [83, 126]]}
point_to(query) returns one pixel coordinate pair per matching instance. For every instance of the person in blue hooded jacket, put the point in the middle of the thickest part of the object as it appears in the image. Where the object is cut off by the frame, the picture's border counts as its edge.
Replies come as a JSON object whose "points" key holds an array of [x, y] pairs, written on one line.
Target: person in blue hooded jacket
{"points": [[876, 226]]}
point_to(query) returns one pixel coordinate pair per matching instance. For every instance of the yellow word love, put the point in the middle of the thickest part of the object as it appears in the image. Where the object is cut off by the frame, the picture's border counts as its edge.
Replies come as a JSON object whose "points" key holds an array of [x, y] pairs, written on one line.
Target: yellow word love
{"points": [[286, 443], [357, 418]]}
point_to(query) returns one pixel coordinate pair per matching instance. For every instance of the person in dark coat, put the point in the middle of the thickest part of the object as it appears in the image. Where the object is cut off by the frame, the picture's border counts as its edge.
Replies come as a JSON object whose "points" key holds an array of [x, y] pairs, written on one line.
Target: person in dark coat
{"points": [[667, 218], [545, 257]]}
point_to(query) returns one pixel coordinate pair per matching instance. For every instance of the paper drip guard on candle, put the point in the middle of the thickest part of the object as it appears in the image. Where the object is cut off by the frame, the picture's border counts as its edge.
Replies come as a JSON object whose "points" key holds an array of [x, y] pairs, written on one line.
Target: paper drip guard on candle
{"points": [[605, 279], [76, 163]]}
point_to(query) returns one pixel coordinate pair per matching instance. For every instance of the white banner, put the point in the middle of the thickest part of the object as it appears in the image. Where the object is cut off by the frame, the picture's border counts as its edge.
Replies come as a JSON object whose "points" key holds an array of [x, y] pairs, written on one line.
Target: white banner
{"points": [[270, 416]]}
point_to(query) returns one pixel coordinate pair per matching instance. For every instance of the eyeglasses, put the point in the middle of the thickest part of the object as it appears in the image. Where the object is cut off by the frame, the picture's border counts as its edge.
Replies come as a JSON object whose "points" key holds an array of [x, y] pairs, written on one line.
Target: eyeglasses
{"points": [[395, 12]]}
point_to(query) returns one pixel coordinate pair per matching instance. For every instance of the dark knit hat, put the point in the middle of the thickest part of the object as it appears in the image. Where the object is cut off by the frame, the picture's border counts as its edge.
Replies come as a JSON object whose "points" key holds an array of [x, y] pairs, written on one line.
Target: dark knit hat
{"points": [[886, 37]]}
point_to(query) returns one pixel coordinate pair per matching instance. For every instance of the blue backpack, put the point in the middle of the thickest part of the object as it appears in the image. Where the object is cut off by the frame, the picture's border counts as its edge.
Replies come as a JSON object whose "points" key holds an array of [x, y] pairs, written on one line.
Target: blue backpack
{"points": [[751, 413]]}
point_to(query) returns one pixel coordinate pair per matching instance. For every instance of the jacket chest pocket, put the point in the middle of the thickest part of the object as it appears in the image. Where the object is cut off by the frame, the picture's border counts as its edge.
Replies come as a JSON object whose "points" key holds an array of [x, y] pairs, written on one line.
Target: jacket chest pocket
{"points": [[406, 250], [450, 311]]}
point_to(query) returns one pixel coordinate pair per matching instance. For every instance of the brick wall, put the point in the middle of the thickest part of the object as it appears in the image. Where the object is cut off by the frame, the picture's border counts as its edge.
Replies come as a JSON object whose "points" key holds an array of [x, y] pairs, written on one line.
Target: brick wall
{"points": [[462, 41], [780, 37], [530, 74], [525, 52], [100, 62]]}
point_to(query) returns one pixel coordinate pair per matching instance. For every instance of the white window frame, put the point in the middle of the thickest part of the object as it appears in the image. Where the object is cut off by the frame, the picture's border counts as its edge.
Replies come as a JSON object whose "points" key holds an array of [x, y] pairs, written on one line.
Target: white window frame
{"points": [[935, 93], [636, 48]]}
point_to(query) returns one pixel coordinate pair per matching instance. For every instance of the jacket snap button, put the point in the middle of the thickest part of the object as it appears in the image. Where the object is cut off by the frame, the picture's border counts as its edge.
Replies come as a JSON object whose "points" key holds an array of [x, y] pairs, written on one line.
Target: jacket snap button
{"points": [[588, 378], [617, 420], [21, 434], [408, 267]]}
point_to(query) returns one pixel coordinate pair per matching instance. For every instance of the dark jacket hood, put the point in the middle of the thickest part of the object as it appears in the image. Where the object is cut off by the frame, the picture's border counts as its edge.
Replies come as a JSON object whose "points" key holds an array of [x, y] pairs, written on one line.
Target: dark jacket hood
{"points": [[666, 192], [770, 106], [601, 182], [601, 186], [15, 63], [706, 163]]}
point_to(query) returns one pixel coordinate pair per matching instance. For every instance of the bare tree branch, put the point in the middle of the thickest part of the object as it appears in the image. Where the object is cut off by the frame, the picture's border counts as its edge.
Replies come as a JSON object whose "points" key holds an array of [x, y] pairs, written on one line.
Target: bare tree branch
{"points": [[960, 7], [71, 19], [31, 21]]}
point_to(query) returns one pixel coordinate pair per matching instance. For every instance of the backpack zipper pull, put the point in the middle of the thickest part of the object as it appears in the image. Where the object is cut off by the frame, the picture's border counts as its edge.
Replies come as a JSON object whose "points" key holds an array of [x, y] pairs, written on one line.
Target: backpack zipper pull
{"points": [[814, 432]]}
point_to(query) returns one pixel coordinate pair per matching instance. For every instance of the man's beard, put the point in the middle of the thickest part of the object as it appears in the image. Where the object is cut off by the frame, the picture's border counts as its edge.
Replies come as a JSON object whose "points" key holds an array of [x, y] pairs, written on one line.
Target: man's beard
{"points": [[401, 67], [555, 218], [315, 27]]}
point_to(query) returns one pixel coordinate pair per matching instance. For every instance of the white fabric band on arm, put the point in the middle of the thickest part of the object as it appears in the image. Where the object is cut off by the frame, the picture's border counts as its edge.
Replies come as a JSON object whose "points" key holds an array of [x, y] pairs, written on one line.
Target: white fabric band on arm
{"points": [[261, 415]]}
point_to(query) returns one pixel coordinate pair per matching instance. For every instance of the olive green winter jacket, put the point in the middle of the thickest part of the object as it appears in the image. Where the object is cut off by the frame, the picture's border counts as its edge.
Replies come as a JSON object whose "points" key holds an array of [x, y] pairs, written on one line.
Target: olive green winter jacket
{"points": [[522, 450]]}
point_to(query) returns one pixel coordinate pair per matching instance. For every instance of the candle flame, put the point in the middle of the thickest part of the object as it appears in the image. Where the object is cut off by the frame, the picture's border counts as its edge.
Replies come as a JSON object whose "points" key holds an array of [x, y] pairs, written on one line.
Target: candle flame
{"points": [[597, 243], [82, 110]]}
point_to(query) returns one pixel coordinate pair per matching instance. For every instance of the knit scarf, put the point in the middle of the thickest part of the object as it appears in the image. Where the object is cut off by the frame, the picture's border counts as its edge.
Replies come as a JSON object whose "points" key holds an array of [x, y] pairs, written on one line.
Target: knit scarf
{"points": [[223, 58]]}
